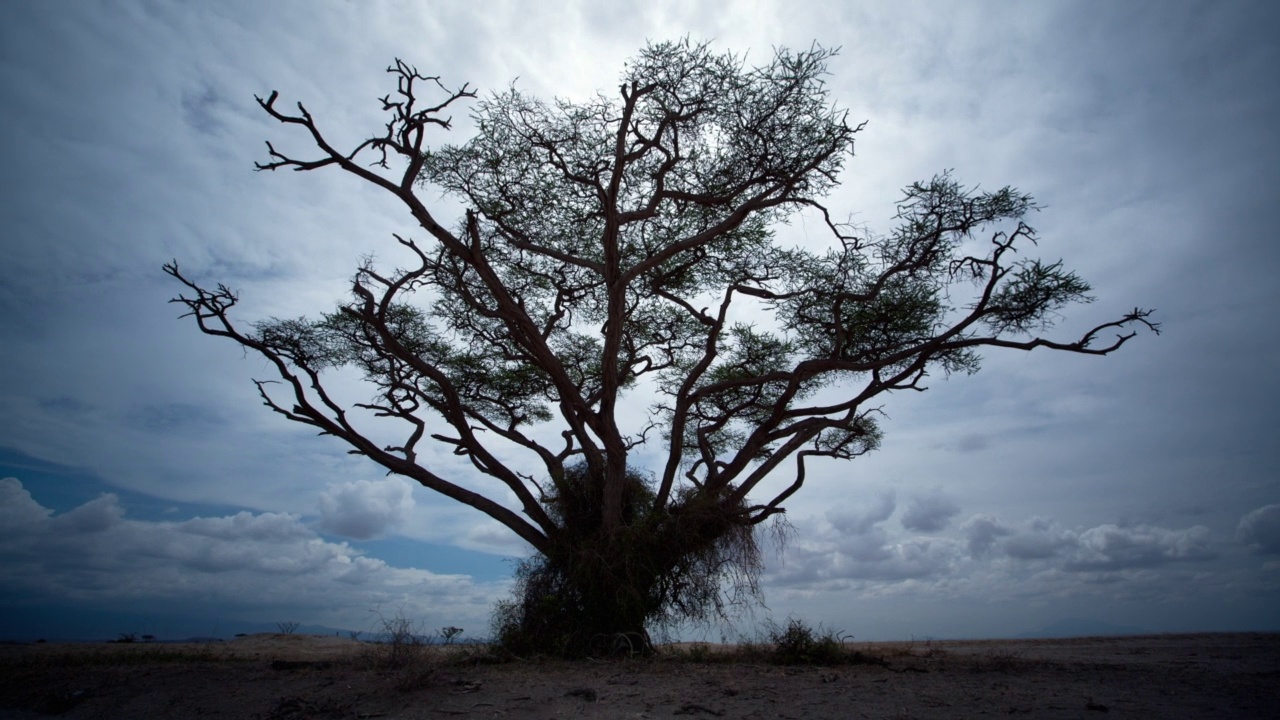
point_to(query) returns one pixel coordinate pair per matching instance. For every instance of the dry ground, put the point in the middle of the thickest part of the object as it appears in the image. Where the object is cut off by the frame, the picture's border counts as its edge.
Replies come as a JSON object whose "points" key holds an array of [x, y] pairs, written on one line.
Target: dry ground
{"points": [[278, 677]]}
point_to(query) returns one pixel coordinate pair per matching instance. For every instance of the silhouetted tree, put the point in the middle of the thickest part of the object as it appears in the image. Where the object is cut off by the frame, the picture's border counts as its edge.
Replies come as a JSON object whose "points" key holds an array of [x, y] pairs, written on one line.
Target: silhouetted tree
{"points": [[626, 244]]}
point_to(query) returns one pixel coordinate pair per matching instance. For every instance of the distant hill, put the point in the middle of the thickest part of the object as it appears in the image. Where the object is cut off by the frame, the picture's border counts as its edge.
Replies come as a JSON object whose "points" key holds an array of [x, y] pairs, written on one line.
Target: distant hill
{"points": [[1082, 627], [27, 623]]}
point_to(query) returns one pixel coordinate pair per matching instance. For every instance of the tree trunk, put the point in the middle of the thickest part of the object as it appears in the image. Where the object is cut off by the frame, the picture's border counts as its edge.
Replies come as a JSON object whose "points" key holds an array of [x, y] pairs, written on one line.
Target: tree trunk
{"points": [[595, 598], [614, 494], [598, 591]]}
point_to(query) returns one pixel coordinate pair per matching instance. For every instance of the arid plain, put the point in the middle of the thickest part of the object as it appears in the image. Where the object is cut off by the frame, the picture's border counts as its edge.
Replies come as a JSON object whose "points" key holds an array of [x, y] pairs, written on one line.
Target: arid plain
{"points": [[287, 677]]}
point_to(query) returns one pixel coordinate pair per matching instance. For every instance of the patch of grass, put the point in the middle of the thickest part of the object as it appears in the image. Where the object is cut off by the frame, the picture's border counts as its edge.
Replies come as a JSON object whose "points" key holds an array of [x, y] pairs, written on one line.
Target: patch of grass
{"points": [[402, 650], [911, 649], [142, 654], [1000, 661], [797, 643], [695, 653], [800, 644]]}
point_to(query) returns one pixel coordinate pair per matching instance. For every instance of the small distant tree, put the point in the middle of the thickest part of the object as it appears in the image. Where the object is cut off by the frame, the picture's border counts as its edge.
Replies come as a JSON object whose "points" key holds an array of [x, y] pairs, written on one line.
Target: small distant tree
{"points": [[449, 633], [621, 249]]}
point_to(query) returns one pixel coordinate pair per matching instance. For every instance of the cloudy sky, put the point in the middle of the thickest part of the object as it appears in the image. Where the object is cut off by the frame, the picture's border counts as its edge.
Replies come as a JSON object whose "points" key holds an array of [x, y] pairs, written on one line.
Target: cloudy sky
{"points": [[143, 487]]}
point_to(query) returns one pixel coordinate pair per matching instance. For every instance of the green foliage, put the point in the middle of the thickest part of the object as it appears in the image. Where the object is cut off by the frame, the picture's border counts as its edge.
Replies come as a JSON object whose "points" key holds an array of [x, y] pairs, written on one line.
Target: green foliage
{"points": [[1034, 292]]}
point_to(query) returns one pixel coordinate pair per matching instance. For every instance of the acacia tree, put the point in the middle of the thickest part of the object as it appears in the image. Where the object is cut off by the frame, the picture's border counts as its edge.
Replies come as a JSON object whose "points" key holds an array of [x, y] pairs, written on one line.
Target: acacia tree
{"points": [[609, 247]]}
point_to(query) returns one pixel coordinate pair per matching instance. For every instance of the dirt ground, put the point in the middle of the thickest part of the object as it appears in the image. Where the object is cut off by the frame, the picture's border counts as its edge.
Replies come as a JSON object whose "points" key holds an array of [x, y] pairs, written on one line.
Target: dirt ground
{"points": [[278, 677]]}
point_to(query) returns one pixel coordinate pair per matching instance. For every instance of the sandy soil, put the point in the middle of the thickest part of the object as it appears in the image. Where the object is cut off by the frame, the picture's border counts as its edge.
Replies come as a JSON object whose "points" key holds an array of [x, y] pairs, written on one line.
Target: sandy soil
{"points": [[277, 677]]}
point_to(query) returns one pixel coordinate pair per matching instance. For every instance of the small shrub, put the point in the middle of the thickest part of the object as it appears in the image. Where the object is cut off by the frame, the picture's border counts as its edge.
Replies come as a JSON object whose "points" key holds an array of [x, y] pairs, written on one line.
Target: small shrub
{"points": [[403, 651], [799, 644]]}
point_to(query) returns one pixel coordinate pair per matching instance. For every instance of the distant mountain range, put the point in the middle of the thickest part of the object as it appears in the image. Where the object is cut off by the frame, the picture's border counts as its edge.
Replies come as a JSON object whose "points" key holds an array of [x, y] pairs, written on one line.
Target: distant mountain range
{"points": [[1081, 627], [26, 623], [66, 624]]}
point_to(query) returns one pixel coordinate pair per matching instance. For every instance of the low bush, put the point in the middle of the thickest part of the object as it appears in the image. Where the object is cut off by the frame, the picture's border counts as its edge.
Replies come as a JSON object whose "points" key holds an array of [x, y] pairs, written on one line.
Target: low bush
{"points": [[800, 644], [796, 643], [400, 648]]}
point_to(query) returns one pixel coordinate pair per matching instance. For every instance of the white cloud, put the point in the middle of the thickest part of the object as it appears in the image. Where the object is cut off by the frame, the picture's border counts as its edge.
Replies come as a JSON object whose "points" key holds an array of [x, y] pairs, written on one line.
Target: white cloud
{"points": [[1037, 560], [96, 516], [1108, 547], [264, 527], [18, 510], [247, 564], [871, 557], [853, 545], [366, 509], [1261, 529]]}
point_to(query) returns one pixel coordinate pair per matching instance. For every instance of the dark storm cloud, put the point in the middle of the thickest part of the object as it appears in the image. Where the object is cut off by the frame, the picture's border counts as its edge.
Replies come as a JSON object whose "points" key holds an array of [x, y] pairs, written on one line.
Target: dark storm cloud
{"points": [[1109, 547], [981, 533], [1101, 548], [175, 417], [1040, 539], [859, 521], [930, 512], [1260, 529], [872, 557], [856, 546]]}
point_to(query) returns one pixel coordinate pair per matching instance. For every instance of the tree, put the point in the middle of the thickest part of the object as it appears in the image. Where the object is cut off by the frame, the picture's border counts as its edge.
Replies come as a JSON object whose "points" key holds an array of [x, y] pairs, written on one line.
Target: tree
{"points": [[612, 248]]}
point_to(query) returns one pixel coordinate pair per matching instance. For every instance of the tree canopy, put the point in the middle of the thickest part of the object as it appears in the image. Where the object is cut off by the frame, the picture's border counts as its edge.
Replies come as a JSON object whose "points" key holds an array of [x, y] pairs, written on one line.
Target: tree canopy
{"points": [[624, 248]]}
